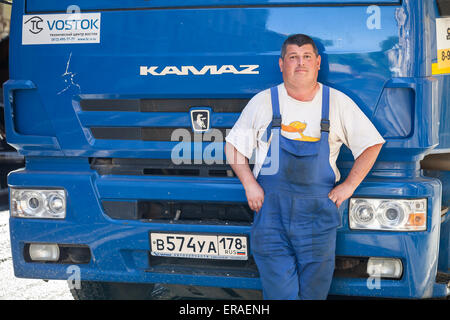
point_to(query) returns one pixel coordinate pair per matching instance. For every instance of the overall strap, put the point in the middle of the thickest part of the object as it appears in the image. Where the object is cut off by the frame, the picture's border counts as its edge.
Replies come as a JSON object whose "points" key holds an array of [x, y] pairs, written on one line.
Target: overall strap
{"points": [[325, 122], [276, 117]]}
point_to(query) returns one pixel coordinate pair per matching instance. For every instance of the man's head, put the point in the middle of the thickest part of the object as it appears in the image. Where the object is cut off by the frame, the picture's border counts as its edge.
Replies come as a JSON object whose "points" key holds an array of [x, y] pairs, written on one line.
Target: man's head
{"points": [[300, 60], [299, 40]]}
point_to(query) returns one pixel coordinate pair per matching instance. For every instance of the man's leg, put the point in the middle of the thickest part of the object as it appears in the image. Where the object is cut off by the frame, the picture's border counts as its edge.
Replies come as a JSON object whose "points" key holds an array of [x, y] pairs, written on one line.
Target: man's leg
{"points": [[272, 250], [315, 280], [279, 276], [277, 264], [316, 268]]}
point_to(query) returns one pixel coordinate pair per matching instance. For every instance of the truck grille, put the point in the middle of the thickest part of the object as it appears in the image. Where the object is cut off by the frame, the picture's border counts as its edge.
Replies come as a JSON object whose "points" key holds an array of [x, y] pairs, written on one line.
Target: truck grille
{"points": [[210, 267], [158, 167], [144, 133], [163, 105], [154, 119], [179, 211]]}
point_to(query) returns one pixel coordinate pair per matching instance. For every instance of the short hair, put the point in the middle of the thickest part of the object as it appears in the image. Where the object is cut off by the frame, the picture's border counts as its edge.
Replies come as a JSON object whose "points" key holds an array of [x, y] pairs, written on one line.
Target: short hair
{"points": [[299, 40]]}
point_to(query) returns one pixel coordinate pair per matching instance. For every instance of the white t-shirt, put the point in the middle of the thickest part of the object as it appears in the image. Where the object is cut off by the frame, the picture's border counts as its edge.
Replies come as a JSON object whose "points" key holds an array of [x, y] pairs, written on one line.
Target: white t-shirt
{"points": [[301, 121]]}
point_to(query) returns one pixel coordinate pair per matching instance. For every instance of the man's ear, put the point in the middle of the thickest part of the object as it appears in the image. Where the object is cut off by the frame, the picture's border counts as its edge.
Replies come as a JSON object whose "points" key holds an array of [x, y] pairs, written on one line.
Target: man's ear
{"points": [[280, 63], [319, 60]]}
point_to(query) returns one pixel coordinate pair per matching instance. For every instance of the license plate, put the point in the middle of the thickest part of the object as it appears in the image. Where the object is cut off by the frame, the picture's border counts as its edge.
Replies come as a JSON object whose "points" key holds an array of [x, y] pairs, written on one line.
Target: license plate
{"points": [[199, 246]]}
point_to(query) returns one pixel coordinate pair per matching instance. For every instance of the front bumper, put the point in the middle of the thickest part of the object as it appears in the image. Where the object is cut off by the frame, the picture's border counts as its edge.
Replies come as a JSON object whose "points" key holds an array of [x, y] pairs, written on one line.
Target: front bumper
{"points": [[120, 248]]}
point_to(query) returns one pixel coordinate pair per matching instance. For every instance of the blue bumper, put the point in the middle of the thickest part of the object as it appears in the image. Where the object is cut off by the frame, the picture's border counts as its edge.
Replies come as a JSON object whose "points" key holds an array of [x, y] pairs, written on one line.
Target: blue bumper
{"points": [[120, 248]]}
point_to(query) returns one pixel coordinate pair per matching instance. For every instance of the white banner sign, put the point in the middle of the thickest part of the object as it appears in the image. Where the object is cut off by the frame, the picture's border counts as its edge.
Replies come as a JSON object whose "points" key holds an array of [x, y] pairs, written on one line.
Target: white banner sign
{"points": [[61, 28], [443, 42]]}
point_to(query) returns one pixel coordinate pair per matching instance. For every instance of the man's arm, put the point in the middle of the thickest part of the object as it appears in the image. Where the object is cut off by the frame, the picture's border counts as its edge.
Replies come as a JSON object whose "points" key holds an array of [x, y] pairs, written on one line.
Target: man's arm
{"points": [[360, 169], [239, 164]]}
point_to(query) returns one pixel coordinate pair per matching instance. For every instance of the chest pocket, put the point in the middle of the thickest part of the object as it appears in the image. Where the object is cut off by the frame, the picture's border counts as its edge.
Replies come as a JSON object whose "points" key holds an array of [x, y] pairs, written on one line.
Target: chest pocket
{"points": [[299, 148]]}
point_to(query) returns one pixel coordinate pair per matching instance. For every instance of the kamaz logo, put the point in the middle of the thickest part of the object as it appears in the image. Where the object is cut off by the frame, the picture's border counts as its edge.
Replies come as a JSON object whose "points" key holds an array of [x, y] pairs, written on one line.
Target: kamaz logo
{"points": [[186, 70]]}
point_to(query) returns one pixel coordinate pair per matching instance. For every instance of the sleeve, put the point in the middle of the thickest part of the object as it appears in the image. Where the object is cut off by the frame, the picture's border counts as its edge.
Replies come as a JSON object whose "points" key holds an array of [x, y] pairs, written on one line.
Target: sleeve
{"points": [[357, 132], [245, 133]]}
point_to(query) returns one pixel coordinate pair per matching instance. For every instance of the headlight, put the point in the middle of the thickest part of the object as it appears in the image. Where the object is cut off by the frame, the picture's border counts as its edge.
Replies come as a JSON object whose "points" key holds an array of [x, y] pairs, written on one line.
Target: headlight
{"points": [[34, 203], [388, 214]]}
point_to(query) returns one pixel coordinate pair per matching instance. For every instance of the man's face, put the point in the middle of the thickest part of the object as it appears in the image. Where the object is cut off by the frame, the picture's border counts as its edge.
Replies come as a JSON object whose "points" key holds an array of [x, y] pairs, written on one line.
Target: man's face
{"points": [[300, 65]]}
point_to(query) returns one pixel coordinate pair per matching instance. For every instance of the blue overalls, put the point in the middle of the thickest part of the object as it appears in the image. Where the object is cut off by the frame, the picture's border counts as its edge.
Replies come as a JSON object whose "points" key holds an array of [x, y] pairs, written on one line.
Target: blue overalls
{"points": [[293, 236]]}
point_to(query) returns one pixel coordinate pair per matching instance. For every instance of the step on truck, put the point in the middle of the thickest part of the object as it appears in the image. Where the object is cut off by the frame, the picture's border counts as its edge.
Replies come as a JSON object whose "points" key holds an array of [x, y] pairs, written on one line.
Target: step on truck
{"points": [[120, 110]]}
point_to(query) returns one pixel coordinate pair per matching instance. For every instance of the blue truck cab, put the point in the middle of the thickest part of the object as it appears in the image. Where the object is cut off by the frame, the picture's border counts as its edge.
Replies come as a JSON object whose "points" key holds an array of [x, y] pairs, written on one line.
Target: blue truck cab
{"points": [[121, 108]]}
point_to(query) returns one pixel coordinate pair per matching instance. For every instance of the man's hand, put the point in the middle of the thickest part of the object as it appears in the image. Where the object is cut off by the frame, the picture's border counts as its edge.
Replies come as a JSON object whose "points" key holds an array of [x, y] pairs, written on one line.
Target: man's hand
{"points": [[239, 164], [341, 193], [360, 169], [255, 195]]}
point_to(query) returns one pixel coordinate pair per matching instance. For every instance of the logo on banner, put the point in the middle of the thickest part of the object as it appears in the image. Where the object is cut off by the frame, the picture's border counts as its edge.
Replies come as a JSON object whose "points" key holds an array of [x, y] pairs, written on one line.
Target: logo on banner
{"points": [[35, 24]]}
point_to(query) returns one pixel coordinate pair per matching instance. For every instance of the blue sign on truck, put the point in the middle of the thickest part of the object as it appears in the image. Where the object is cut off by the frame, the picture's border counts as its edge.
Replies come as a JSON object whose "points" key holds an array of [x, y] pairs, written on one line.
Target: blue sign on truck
{"points": [[121, 109]]}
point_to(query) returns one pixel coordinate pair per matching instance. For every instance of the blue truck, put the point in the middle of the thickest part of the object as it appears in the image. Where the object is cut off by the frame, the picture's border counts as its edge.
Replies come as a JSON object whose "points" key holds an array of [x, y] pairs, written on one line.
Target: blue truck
{"points": [[120, 110]]}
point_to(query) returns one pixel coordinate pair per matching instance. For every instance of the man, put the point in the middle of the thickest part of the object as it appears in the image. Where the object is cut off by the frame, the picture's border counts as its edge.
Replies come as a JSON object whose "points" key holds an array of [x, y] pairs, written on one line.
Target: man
{"points": [[293, 235]]}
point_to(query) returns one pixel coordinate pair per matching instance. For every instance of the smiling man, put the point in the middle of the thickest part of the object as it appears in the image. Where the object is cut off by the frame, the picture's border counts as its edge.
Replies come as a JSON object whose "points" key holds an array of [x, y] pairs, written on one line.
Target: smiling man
{"points": [[293, 235]]}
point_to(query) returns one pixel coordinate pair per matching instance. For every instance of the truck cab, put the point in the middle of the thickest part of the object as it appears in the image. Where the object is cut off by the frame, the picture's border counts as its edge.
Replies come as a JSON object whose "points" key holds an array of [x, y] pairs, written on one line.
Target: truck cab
{"points": [[121, 109]]}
